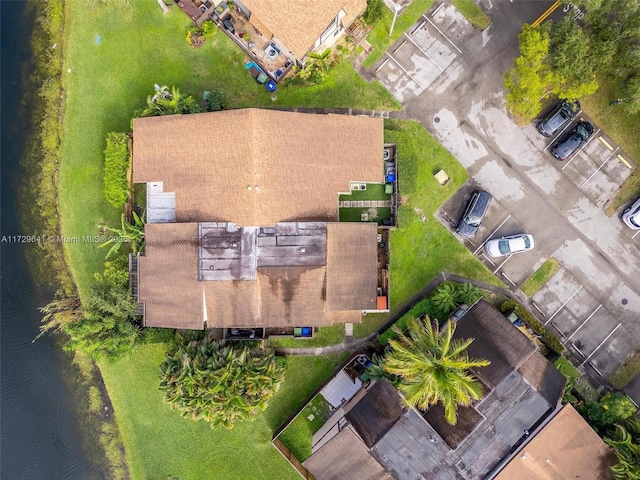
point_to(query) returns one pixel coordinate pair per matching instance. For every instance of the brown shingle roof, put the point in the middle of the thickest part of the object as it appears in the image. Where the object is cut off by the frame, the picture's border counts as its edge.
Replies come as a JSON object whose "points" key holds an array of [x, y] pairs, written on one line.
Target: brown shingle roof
{"points": [[352, 266], [299, 162], [544, 377], [345, 457], [496, 340], [377, 412], [566, 448], [168, 282], [298, 24], [453, 435]]}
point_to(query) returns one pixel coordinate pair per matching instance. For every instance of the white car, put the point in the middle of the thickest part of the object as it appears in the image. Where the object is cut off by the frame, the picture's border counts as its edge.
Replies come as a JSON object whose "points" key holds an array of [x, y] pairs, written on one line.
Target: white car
{"points": [[631, 215], [509, 245]]}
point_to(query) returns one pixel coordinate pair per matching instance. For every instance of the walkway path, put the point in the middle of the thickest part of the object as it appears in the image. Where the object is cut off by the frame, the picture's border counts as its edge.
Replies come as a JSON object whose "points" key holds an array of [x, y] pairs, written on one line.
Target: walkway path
{"points": [[352, 344]]}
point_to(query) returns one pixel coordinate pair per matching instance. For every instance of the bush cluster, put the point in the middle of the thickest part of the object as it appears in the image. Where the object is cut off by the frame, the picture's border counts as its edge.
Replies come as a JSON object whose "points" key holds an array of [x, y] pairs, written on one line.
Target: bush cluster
{"points": [[551, 341]]}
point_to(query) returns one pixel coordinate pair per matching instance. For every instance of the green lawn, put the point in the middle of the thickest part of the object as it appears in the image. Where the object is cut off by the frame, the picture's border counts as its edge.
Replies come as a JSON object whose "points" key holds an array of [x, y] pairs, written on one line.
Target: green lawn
{"points": [[541, 276], [116, 51], [473, 13], [622, 127], [379, 35], [370, 322], [298, 436], [421, 249], [159, 442]]}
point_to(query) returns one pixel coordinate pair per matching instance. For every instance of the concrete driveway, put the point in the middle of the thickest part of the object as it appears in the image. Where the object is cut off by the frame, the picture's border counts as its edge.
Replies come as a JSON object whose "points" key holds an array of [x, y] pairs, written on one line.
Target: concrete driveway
{"points": [[559, 203]]}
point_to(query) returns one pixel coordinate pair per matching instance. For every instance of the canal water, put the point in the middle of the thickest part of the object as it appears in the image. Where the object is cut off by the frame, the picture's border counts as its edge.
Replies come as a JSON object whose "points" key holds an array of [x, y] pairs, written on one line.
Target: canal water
{"points": [[39, 428]]}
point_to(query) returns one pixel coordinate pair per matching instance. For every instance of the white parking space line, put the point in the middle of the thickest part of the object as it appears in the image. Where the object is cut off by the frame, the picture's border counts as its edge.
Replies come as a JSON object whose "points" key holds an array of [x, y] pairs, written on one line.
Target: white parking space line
{"points": [[582, 324], [491, 234], [601, 343], [500, 266], [634, 235], [562, 306], [580, 149], [445, 37], [403, 69], [488, 259], [598, 169], [561, 132], [425, 53], [508, 279]]}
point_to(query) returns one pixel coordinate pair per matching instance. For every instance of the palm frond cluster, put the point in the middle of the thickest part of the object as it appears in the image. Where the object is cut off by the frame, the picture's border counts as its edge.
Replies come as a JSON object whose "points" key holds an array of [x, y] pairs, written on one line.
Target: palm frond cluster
{"points": [[433, 368], [219, 384]]}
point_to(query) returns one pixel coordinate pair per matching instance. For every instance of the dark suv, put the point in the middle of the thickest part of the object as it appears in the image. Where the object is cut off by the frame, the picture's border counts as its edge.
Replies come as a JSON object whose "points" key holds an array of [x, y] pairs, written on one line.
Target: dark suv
{"points": [[473, 214], [558, 117], [570, 143]]}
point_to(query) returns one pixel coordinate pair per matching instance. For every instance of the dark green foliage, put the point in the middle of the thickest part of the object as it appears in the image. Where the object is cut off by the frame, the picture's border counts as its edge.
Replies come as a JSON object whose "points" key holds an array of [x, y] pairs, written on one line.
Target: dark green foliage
{"points": [[374, 11], [444, 297], [571, 60], [220, 385], [107, 328], [613, 407], [552, 342], [214, 100], [116, 166], [467, 294]]}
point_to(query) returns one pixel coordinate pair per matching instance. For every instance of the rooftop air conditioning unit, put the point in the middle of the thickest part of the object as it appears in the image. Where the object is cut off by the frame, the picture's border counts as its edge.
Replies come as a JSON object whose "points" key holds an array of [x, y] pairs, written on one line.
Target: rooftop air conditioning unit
{"points": [[271, 52]]}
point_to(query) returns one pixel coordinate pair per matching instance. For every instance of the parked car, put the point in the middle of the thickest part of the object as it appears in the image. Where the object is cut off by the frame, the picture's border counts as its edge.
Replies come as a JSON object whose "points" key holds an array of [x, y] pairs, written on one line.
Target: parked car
{"points": [[558, 117], [572, 141], [473, 214], [631, 215], [509, 245]]}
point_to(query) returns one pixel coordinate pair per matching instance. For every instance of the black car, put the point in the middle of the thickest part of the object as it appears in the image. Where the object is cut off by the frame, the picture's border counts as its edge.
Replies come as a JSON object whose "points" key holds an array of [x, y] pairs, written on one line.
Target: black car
{"points": [[558, 117], [570, 143], [473, 214]]}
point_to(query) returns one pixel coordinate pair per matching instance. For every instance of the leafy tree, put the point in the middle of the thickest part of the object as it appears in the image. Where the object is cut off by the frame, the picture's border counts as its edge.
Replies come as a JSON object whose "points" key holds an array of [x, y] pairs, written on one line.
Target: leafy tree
{"points": [[116, 166], [432, 367], [374, 11], [625, 440], [127, 234], [530, 78], [612, 408], [445, 298], [219, 384], [631, 93], [570, 57], [59, 313], [165, 102], [317, 67]]}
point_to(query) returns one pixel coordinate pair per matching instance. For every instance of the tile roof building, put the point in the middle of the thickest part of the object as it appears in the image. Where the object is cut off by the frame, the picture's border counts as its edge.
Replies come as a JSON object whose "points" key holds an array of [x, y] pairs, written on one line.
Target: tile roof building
{"points": [[522, 389], [242, 219]]}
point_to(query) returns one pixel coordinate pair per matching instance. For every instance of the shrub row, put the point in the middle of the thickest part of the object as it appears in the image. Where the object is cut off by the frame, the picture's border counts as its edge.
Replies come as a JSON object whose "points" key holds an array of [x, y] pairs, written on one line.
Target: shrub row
{"points": [[551, 341], [116, 166]]}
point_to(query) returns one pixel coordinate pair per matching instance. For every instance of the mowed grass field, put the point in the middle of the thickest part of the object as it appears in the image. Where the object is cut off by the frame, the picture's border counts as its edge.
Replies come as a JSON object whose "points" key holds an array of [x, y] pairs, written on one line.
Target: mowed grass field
{"points": [[159, 442], [115, 53]]}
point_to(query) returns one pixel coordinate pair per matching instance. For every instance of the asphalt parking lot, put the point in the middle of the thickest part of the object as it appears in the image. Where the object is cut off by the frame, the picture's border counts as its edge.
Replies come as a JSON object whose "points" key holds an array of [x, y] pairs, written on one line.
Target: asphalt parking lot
{"points": [[455, 90], [424, 53]]}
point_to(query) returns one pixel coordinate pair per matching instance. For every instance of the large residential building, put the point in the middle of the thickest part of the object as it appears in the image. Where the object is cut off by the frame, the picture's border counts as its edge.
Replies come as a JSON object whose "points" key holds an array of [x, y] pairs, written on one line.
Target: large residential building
{"points": [[243, 220], [390, 440]]}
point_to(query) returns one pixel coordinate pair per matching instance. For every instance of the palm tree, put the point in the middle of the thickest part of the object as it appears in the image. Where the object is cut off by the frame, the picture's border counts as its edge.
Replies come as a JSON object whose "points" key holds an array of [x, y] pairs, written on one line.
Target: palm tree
{"points": [[625, 441], [433, 367], [445, 298], [133, 234], [165, 102]]}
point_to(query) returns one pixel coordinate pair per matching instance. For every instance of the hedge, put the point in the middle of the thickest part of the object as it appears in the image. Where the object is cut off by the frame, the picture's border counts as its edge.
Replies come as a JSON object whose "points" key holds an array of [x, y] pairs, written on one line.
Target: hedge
{"points": [[116, 166], [552, 342]]}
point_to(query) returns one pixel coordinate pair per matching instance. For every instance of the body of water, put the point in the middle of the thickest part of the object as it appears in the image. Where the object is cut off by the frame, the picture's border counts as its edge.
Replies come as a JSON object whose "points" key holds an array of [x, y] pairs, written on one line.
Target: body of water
{"points": [[39, 428]]}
